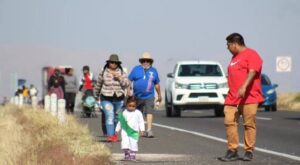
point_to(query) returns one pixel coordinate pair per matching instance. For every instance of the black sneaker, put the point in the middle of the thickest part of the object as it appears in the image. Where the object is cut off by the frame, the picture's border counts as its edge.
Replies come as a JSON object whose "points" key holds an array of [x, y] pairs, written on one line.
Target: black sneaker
{"points": [[248, 156], [230, 156]]}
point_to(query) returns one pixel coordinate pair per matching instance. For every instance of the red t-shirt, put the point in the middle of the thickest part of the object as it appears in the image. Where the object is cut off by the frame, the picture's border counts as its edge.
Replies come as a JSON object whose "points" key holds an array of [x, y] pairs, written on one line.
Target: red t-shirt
{"points": [[88, 84], [238, 70]]}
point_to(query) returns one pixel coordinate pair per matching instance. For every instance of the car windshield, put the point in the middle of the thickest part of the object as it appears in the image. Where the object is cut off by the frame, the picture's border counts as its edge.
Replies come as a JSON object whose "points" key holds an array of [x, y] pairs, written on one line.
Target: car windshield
{"points": [[197, 70], [265, 80]]}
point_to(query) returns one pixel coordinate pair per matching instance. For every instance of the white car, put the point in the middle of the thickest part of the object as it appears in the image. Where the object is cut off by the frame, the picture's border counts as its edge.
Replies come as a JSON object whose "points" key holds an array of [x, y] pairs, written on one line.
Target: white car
{"points": [[195, 85]]}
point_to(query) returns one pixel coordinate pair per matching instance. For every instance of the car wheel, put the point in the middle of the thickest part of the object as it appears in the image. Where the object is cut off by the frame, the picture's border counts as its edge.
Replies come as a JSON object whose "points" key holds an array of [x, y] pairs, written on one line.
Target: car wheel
{"points": [[267, 108], [176, 112], [168, 107], [173, 111], [274, 107], [219, 111]]}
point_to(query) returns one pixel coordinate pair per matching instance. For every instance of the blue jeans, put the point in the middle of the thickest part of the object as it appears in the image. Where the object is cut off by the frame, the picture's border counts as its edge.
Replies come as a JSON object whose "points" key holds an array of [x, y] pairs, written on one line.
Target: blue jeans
{"points": [[110, 110]]}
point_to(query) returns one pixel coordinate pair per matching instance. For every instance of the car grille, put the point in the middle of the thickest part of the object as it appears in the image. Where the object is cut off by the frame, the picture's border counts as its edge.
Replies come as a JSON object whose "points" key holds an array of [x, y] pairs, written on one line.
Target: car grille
{"points": [[203, 86], [196, 95]]}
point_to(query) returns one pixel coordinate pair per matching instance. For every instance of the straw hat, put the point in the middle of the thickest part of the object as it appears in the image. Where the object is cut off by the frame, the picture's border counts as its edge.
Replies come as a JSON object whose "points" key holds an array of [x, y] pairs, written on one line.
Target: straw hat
{"points": [[146, 56]]}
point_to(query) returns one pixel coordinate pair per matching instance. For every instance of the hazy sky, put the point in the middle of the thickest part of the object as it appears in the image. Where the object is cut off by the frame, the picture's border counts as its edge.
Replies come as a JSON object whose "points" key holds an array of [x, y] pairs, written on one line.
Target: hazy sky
{"points": [[36, 33]]}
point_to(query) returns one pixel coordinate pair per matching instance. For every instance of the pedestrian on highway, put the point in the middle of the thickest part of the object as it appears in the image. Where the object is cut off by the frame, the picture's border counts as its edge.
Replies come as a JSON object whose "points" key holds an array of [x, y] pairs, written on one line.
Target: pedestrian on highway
{"points": [[145, 78], [110, 91], [71, 86], [25, 92], [87, 81], [56, 84], [19, 92], [33, 92], [131, 122], [244, 96]]}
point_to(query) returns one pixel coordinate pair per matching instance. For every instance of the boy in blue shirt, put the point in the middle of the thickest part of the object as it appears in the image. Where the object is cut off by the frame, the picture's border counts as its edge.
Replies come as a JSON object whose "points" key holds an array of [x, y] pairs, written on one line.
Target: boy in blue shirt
{"points": [[145, 78]]}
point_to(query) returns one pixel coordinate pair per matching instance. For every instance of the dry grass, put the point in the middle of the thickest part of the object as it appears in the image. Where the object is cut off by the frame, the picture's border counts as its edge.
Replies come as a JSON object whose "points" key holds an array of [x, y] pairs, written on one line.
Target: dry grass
{"points": [[30, 137], [289, 101]]}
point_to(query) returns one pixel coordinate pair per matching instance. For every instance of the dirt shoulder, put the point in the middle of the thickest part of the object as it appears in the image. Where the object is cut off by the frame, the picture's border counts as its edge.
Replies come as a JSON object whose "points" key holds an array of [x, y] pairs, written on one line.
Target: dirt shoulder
{"points": [[289, 101]]}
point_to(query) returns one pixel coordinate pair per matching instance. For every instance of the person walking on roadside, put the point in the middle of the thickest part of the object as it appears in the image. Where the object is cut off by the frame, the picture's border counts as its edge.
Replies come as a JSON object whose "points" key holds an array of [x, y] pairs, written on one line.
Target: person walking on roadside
{"points": [[87, 81], [145, 78], [56, 84], [110, 91], [244, 96], [25, 93], [71, 86], [131, 122], [33, 92]]}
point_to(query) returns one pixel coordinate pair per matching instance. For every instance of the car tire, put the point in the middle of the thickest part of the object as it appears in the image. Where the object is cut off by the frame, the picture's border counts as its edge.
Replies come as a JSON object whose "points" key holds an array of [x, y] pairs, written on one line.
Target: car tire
{"points": [[267, 108], [219, 111], [168, 107], [274, 107], [171, 110], [176, 112]]}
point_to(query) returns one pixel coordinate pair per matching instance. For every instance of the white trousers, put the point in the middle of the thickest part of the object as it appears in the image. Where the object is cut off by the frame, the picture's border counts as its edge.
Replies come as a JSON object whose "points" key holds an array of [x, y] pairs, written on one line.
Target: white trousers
{"points": [[128, 142]]}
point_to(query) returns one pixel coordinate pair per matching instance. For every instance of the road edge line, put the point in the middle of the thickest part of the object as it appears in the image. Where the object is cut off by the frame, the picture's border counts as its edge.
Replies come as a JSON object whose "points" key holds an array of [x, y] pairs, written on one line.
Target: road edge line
{"points": [[225, 141]]}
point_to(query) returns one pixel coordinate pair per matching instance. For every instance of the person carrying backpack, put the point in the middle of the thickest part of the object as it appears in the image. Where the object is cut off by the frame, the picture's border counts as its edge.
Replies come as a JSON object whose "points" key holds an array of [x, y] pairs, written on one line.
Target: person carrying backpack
{"points": [[110, 89], [56, 84]]}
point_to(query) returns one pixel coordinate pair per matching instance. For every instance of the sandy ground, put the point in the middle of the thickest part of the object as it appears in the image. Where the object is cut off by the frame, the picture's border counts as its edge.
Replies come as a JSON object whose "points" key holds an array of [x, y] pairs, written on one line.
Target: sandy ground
{"points": [[286, 101]]}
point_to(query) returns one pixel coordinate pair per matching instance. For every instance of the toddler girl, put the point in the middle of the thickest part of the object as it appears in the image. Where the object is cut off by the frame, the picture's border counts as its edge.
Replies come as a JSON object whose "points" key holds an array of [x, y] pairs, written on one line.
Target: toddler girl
{"points": [[131, 122]]}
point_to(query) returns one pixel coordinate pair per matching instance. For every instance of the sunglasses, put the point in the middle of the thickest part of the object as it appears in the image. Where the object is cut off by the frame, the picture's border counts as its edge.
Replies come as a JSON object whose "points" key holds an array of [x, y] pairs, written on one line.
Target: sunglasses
{"points": [[145, 61], [113, 62]]}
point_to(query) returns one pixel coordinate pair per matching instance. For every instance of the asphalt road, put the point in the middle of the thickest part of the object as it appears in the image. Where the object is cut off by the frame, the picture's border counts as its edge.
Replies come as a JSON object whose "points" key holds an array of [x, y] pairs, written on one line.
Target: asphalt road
{"points": [[199, 138]]}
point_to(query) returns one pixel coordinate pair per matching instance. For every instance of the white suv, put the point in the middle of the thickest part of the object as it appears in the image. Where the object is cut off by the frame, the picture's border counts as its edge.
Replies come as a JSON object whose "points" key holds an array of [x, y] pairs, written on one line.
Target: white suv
{"points": [[195, 85]]}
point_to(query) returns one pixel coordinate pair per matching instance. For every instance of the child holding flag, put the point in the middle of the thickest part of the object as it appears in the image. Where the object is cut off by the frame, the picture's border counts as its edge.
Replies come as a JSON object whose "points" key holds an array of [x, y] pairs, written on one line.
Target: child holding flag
{"points": [[131, 122]]}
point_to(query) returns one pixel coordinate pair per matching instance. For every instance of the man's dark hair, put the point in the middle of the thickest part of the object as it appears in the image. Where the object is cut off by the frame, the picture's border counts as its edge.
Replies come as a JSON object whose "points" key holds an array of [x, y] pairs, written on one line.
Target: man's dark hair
{"points": [[235, 38], [67, 70], [86, 67], [131, 99]]}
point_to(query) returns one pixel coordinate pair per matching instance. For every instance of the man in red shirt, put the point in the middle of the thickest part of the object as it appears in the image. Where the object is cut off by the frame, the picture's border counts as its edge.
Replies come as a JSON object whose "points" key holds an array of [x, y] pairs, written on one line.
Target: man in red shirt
{"points": [[243, 98]]}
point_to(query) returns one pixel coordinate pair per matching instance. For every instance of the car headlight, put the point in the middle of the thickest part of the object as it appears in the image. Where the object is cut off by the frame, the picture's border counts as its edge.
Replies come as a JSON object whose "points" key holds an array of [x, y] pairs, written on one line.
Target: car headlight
{"points": [[270, 91], [180, 86], [223, 85]]}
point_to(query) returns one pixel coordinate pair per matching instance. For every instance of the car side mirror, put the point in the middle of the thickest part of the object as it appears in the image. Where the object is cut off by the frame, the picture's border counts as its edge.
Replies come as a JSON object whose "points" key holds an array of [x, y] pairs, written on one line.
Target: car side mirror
{"points": [[170, 75], [275, 85]]}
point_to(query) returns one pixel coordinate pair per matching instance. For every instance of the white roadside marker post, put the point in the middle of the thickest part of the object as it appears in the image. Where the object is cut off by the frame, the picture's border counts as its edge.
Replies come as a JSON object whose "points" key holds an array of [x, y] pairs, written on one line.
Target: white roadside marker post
{"points": [[34, 102], [12, 100], [16, 100], [47, 103], [21, 100], [61, 110], [53, 104]]}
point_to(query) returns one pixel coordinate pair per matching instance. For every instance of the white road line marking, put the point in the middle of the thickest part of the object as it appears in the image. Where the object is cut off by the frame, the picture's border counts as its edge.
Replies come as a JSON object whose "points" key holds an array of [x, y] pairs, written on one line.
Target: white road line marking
{"points": [[196, 111], [225, 141], [263, 118], [154, 157]]}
